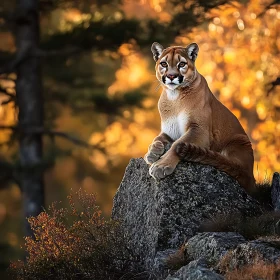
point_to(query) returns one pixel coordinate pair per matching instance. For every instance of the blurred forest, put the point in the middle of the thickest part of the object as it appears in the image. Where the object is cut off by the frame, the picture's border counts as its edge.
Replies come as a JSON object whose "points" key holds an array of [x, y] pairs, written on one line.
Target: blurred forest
{"points": [[98, 91]]}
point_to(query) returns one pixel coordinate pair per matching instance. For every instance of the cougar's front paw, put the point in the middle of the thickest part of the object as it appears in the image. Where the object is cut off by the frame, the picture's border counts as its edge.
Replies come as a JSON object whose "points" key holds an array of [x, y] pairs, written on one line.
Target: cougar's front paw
{"points": [[156, 150], [162, 168]]}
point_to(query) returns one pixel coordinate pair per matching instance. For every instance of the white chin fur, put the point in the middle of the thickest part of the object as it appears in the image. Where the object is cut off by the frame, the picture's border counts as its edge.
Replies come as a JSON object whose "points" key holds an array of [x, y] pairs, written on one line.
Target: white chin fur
{"points": [[172, 94], [172, 86]]}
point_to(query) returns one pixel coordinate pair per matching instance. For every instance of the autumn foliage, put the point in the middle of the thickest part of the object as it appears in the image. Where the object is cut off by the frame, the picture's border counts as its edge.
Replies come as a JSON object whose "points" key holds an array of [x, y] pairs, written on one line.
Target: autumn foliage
{"points": [[74, 244], [259, 270]]}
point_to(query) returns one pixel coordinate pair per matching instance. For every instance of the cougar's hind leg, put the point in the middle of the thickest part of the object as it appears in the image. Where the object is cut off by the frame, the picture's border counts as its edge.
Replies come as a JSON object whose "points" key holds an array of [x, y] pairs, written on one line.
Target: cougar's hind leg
{"points": [[231, 166], [239, 151]]}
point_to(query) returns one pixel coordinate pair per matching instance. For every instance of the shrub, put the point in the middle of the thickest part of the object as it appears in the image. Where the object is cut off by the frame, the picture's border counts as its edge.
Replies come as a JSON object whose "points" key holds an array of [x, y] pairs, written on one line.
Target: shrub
{"points": [[251, 265], [178, 259], [75, 243], [259, 270], [268, 224], [262, 193]]}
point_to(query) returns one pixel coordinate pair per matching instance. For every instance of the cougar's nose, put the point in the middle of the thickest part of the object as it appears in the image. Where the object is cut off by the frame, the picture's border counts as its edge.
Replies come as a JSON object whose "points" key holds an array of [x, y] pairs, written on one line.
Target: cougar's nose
{"points": [[172, 77]]}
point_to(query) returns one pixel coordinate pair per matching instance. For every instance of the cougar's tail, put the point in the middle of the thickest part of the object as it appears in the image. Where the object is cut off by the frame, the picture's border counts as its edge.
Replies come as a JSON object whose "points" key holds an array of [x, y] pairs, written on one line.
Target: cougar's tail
{"points": [[193, 153]]}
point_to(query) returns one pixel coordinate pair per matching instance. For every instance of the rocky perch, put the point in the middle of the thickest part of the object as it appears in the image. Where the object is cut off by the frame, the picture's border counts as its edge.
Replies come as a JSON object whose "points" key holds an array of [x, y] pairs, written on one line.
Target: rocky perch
{"points": [[159, 217]]}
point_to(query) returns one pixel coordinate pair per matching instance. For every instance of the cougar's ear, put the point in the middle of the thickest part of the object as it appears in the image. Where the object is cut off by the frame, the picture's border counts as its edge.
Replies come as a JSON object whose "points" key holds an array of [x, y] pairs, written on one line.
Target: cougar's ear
{"points": [[192, 50], [157, 50]]}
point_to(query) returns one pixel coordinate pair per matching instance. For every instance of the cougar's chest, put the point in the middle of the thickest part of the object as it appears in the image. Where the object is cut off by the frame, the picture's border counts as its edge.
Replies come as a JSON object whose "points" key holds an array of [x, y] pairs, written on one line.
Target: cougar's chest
{"points": [[174, 125]]}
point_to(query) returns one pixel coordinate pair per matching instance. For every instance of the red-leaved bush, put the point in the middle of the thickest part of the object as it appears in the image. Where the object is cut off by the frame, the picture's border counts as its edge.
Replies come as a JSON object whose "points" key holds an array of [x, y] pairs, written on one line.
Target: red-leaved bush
{"points": [[75, 243]]}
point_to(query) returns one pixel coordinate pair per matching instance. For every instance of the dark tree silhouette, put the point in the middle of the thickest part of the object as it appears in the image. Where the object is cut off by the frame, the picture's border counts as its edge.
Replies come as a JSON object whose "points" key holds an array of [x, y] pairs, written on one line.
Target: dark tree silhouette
{"points": [[29, 98], [31, 108]]}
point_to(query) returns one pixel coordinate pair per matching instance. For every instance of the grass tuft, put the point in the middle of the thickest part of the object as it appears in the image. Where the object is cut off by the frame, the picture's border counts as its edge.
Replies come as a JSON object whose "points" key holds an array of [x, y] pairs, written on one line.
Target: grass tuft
{"points": [[251, 228], [178, 259], [262, 193], [258, 270]]}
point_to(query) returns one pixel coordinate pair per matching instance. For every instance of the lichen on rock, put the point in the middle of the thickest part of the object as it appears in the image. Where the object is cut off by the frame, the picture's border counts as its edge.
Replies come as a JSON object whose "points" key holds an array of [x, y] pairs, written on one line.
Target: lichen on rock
{"points": [[212, 245], [195, 270]]}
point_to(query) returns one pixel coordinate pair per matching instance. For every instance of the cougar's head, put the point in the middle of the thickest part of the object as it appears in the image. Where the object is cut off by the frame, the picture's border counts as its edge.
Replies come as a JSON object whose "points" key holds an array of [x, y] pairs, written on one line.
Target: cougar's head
{"points": [[175, 65]]}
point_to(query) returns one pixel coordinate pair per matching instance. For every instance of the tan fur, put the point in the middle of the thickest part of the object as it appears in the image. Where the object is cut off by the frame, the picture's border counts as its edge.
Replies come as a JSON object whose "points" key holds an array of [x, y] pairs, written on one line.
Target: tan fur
{"points": [[195, 125]]}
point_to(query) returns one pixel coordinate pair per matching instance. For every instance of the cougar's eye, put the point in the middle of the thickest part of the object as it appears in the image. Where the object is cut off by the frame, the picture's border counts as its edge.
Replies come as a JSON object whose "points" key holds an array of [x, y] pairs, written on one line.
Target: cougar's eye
{"points": [[163, 64], [182, 64]]}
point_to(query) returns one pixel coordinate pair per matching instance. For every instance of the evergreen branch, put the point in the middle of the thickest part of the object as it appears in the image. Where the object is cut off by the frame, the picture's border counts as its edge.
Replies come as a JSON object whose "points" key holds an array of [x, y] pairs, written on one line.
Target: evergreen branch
{"points": [[8, 127], [20, 15], [21, 55], [276, 82], [208, 5], [7, 16], [5, 102], [268, 7], [55, 133], [6, 174], [12, 97], [5, 143], [62, 52], [5, 92], [273, 85], [51, 133], [9, 67]]}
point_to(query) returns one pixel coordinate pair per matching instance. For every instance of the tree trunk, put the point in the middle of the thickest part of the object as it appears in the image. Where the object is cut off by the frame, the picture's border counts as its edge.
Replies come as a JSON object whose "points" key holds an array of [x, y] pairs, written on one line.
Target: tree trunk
{"points": [[30, 103]]}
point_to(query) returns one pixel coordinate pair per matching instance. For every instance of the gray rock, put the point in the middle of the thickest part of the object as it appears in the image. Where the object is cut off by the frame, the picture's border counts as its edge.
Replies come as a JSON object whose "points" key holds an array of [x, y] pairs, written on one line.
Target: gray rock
{"points": [[160, 215], [212, 246], [195, 270], [249, 253], [275, 191]]}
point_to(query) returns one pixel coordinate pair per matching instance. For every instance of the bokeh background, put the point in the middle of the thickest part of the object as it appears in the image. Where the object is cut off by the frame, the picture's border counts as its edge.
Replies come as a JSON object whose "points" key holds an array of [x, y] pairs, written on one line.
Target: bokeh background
{"points": [[106, 93]]}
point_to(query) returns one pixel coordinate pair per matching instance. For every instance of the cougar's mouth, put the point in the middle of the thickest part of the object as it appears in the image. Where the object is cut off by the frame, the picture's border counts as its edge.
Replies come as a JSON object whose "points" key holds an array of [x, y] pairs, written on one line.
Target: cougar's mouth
{"points": [[172, 86]]}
